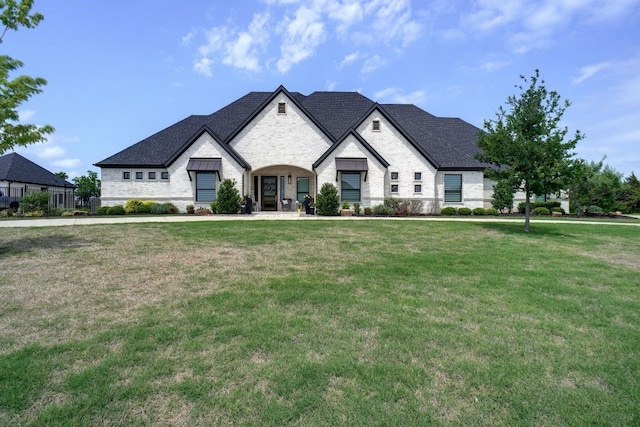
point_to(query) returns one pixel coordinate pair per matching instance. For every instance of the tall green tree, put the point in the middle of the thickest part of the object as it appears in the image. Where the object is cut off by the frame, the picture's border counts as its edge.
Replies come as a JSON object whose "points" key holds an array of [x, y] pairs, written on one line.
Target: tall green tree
{"points": [[525, 144], [594, 184], [62, 175], [503, 195], [14, 91], [228, 198], [631, 193], [88, 186]]}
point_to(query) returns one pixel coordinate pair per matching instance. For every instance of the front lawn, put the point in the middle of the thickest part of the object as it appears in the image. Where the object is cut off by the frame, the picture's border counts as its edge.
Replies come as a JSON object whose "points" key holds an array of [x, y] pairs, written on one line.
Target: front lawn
{"points": [[381, 322]]}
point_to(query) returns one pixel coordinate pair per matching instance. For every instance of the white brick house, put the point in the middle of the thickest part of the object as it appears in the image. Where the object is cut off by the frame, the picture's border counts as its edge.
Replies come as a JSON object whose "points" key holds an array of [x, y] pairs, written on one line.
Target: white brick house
{"points": [[282, 145]]}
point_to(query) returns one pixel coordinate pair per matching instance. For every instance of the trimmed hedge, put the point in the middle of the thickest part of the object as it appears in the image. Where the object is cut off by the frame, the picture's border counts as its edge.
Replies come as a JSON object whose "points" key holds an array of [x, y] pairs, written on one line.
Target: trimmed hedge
{"points": [[479, 211], [541, 211], [464, 211], [449, 210]]}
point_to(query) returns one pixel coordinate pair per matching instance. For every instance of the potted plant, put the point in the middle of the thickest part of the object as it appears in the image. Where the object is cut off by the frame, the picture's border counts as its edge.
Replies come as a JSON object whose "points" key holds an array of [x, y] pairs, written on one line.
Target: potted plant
{"points": [[309, 207], [346, 211]]}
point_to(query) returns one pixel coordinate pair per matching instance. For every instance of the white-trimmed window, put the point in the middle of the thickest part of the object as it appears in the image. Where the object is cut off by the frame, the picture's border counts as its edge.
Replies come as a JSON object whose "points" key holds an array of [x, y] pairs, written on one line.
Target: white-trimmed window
{"points": [[205, 186], [151, 175], [282, 107], [417, 176], [417, 188], [164, 175], [126, 175], [139, 175], [375, 126], [453, 188], [350, 186], [394, 188], [394, 176]]}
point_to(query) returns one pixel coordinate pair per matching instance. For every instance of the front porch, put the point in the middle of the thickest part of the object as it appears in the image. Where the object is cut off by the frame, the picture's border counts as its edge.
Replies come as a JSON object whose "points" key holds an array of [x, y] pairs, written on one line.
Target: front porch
{"points": [[280, 188]]}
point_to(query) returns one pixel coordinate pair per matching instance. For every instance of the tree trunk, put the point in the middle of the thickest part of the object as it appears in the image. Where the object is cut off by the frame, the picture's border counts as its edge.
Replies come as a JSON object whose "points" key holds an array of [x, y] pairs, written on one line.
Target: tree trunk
{"points": [[527, 210]]}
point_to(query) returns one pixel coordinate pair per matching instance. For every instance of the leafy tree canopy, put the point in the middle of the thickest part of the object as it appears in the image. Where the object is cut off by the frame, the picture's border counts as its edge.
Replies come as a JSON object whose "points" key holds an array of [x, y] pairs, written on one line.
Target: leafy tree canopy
{"points": [[525, 144], [87, 186], [13, 92]]}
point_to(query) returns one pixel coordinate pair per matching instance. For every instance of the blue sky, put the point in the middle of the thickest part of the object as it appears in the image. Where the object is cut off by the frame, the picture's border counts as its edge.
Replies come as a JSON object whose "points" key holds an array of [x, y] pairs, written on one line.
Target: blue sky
{"points": [[119, 71]]}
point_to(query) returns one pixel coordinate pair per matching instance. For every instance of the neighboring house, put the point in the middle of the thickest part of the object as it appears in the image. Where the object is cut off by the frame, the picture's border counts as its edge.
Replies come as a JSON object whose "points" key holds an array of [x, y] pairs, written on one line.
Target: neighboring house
{"points": [[283, 145], [19, 176]]}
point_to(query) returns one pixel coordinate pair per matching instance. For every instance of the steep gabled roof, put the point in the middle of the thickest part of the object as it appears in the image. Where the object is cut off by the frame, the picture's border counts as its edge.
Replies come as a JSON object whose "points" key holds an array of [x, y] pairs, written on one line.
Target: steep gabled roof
{"points": [[337, 111], [450, 142], [361, 140], [14, 167], [447, 143]]}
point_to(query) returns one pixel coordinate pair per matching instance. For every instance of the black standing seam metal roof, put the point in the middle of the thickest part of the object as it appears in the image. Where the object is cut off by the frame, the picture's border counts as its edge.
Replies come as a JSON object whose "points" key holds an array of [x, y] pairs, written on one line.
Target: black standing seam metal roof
{"points": [[447, 143], [15, 168]]}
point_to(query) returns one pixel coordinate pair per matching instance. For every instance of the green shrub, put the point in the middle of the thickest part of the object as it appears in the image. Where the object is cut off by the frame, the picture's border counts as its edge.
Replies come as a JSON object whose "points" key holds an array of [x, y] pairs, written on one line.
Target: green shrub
{"points": [[328, 201], [595, 209], [117, 210], [163, 209], [521, 207], [541, 211], [479, 211], [449, 210], [558, 209], [503, 195], [392, 202], [382, 210], [35, 201], [346, 205], [132, 205], [464, 211], [214, 207], [368, 211], [103, 210], [228, 197], [7, 213], [143, 209], [493, 212], [356, 208], [191, 209], [550, 204], [37, 213]]}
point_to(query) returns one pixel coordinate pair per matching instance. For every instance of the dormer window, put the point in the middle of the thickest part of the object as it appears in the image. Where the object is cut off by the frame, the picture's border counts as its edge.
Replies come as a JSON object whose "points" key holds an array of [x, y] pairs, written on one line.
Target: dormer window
{"points": [[376, 126], [282, 108]]}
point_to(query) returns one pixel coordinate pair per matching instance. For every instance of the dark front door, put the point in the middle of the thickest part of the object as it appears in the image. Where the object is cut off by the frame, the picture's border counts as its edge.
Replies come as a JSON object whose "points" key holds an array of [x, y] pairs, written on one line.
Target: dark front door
{"points": [[269, 193]]}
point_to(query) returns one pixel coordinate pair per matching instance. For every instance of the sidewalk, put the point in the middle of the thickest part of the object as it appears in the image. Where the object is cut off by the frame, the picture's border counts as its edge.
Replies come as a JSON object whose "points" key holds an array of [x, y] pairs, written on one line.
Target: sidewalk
{"points": [[269, 216]]}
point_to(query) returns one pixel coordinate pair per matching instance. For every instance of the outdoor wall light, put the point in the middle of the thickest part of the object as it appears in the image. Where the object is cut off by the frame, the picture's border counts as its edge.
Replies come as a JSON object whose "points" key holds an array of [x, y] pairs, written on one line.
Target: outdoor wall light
{"points": [[289, 179]]}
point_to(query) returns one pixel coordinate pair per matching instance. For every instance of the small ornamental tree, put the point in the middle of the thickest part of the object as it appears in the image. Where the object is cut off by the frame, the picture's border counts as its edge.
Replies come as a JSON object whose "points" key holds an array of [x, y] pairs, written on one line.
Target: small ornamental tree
{"points": [[328, 201], [228, 200], [525, 145], [503, 196]]}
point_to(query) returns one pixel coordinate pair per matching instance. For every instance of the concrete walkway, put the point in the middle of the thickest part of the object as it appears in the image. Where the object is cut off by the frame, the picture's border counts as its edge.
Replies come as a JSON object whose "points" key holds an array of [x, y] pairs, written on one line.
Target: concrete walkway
{"points": [[269, 216]]}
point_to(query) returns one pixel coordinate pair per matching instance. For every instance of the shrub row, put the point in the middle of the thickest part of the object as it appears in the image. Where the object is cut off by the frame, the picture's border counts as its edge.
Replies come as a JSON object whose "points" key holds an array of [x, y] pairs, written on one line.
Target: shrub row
{"points": [[452, 211], [134, 206], [548, 204], [398, 207]]}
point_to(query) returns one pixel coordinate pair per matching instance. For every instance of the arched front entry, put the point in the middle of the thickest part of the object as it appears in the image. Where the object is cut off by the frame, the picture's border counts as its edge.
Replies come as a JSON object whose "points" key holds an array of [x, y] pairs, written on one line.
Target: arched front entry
{"points": [[281, 187]]}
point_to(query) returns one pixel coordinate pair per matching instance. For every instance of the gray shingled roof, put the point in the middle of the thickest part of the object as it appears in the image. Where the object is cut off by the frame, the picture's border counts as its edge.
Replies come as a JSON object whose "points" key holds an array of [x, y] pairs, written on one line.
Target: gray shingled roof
{"points": [[14, 167], [446, 142]]}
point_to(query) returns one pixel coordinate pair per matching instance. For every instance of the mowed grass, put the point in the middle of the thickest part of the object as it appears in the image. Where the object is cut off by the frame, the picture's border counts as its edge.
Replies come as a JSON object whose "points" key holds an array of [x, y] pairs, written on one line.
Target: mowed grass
{"points": [[355, 323]]}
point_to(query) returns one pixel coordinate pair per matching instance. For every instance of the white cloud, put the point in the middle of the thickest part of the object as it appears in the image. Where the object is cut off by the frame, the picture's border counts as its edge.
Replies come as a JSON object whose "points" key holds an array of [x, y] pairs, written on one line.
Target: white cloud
{"points": [[49, 151], [203, 66], [396, 96], [289, 32], [330, 85], [302, 35], [372, 64], [26, 115], [67, 163], [350, 59], [494, 65], [589, 71]]}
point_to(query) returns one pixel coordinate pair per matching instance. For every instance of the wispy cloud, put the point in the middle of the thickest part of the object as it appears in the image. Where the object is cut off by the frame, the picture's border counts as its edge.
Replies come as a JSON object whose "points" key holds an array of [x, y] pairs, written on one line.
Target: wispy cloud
{"points": [[372, 64], [67, 163], [494, 65], [290, 32], [589, 71], [397, 96]]}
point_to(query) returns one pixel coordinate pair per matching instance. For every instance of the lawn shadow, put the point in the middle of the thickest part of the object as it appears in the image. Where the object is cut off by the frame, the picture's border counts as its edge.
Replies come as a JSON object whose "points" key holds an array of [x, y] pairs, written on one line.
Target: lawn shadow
{"points": [[22, 245], [536, 230]]}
